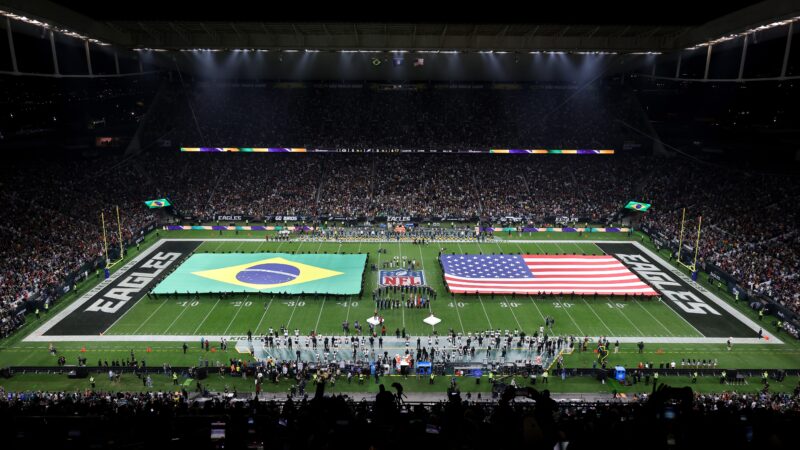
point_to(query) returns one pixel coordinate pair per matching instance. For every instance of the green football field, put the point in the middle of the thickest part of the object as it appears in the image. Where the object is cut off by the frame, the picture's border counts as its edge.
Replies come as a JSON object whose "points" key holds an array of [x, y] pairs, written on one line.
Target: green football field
{"points": [[211, 316]]}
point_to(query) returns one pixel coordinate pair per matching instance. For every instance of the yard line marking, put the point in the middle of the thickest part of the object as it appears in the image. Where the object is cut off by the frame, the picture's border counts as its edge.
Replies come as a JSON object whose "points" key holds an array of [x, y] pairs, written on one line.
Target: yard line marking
{"points": [[488, 320], [510, 308], [320, 313], [626, 317], [259, 246], [263, 315], [537, 308], [422, 263], [150, 317], [566, 310], [655, 318], [237, 314], [485, 313], [207, 315], [221, 243], [455, 304], [349, 302], [185, 308], [292, 314], [400, 256], [238, 247], [610, 333], [513, 314], [479, 297]]}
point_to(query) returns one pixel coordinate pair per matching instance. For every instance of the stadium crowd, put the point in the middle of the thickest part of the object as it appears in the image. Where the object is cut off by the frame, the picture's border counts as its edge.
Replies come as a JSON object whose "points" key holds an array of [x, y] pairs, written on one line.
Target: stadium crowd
{"points": [[51, 226], [517, 418], [51, 232], [207, 114], [747, 223], [747, 218]]}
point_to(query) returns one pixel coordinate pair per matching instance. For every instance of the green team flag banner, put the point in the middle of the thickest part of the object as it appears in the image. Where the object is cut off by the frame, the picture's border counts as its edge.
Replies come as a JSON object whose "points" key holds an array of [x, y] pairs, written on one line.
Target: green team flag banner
{"points": [[157, 203], [267, 272], [637, 206]]}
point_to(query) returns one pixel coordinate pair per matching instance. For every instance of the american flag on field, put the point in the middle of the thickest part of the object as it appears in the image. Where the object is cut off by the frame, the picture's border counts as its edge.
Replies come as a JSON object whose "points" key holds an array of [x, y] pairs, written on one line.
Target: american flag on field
{"points": [[534, 274]]}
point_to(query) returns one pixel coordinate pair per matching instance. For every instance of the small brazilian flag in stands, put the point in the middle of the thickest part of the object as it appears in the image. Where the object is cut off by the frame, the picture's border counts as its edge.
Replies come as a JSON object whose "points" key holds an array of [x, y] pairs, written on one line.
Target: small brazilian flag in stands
{"points": [[158, 203], [637, 206]]}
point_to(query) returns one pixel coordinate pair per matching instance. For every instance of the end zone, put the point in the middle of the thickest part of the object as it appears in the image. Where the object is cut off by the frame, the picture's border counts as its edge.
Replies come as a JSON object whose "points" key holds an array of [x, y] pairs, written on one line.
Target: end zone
{"points": [[99, 308]]}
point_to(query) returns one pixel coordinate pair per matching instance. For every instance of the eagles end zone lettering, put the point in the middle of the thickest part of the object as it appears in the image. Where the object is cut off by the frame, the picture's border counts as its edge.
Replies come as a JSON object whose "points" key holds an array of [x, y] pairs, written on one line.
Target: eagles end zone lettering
{"points": [[686, 300], [132, 284]]}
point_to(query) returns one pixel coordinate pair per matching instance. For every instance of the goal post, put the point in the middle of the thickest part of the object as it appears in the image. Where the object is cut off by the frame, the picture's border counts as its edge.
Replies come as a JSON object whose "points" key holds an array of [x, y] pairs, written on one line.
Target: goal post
{"points": [[110, 263], [693, 266]]}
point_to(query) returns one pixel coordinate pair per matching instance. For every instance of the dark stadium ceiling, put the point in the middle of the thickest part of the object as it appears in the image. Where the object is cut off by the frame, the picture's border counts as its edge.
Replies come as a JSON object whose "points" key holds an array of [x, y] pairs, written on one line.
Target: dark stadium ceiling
{"points": [[679, 12], [621, 27]]}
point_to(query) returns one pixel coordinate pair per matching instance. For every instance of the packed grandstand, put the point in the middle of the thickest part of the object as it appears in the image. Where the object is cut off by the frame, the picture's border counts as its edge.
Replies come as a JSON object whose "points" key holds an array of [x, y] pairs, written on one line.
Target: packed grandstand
{"points": [[212, 235]]}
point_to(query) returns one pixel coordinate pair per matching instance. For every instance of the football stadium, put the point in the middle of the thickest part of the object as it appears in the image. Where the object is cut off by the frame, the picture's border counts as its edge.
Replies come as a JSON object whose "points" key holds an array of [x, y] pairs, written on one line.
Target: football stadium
{"points": [[322, 228]]}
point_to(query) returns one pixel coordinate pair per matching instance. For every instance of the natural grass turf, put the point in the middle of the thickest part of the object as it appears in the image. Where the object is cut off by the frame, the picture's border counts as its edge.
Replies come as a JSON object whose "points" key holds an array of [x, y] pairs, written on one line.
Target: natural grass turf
{"points": [[472, 315], [211, 317]]}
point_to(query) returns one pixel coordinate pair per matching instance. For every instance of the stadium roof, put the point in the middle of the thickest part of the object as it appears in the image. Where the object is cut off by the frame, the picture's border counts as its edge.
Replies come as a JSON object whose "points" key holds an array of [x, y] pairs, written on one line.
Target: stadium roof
{"points": [[159, 28]]}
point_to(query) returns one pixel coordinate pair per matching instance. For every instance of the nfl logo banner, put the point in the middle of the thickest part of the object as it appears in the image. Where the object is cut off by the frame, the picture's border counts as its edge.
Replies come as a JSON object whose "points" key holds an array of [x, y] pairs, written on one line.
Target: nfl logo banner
{"points": [[402, 277]]}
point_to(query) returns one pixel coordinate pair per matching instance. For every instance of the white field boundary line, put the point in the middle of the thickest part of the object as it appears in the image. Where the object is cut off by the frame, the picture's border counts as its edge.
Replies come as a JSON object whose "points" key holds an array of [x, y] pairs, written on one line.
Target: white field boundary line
{"points": [[186, 338], [37, 335], [93, 291]]}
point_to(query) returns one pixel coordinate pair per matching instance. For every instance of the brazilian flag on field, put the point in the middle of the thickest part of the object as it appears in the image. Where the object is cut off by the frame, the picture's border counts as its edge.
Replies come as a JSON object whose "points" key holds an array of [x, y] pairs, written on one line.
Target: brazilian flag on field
{"points": [[267, 272]]}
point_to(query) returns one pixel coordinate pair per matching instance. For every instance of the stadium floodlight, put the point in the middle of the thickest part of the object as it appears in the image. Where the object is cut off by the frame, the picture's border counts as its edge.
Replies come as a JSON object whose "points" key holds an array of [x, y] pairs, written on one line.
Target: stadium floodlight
{"points": [[308, 50], [53, 28], [743, 33], [11, 15]]}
